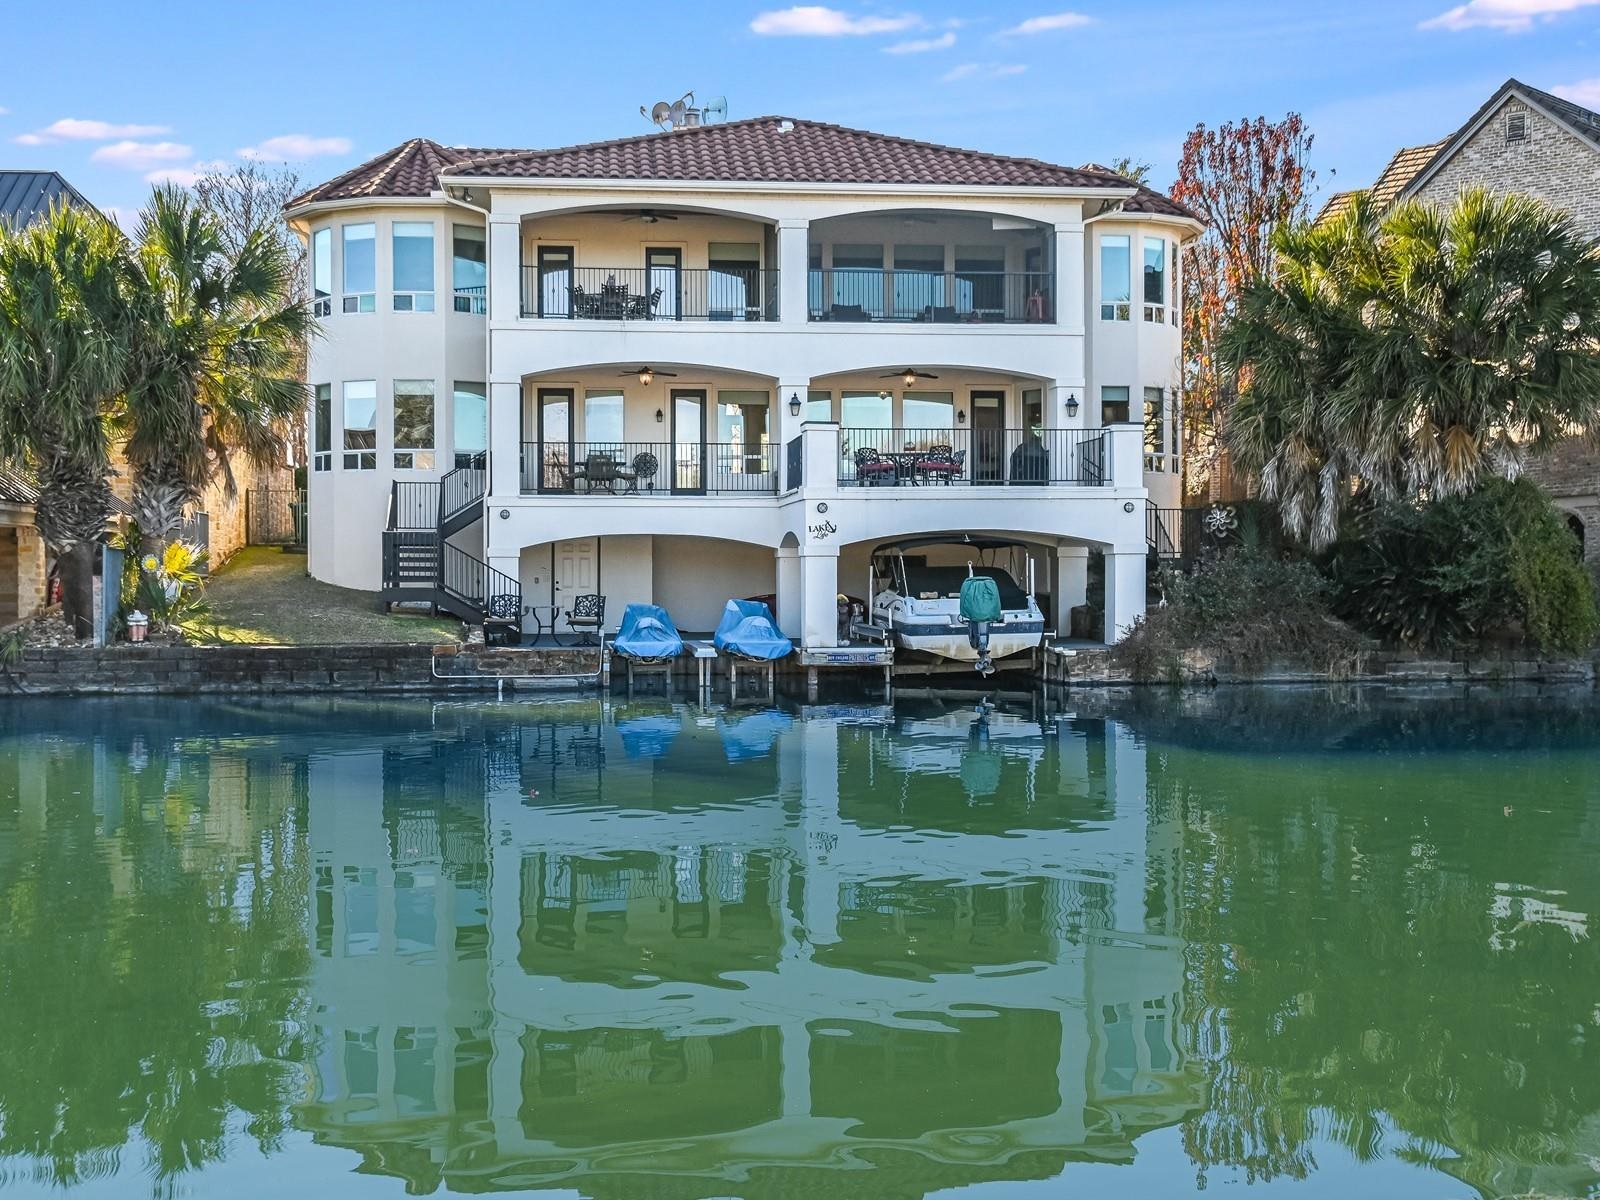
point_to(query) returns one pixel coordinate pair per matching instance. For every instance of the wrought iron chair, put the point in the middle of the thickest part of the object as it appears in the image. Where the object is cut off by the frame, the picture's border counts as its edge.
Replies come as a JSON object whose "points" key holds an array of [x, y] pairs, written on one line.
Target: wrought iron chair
{"points": [[601, 470], [642, 471], [502, 620], [586, 616], [940, 462], [873, 468]]}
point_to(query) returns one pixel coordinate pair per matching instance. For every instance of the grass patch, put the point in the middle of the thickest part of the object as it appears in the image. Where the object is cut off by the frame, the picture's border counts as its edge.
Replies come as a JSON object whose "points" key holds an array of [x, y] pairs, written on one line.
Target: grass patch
{"points": [[263, 596]]}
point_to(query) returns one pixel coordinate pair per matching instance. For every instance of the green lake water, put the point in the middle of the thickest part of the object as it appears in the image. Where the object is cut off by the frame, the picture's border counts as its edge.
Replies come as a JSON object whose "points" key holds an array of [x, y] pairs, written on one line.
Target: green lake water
{"points": [[1274, 943]]}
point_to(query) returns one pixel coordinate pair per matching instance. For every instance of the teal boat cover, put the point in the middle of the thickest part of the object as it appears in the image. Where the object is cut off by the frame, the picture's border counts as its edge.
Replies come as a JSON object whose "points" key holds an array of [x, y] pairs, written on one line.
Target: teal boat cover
{"points": [[647, 632], [980, 599], [747, 628]]}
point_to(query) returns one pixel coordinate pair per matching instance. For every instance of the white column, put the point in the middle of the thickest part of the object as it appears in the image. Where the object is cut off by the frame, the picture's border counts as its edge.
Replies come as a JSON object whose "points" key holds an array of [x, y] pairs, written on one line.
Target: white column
{"points": [[505, 439], [505, 267], [1058, 416], [1125, 596], [1070, 273], [1125, 455], [819, 596], [790, 599], [793, 270], [1072, 585], [789, 424]]}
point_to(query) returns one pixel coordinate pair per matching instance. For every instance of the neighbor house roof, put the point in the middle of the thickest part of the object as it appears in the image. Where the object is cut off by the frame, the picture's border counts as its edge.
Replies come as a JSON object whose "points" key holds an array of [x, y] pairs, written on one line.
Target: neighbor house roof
{"points": [[757, 150], [17, 484], [1402, 169], [28, 195]]}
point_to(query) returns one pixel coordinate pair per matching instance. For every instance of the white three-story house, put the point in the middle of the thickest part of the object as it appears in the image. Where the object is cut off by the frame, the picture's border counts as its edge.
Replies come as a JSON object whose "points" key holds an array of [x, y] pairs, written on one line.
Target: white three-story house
{"points": [[717, 362]]}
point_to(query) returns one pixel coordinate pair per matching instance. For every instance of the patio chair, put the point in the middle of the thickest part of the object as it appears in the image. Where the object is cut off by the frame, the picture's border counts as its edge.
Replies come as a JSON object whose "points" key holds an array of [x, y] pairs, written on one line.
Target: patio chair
{"points": [[586, 616], [848, 312], [600, 469], [941, 463], [940, 314], [873, 468], [643, 471], [642, 307], [502, 620]]}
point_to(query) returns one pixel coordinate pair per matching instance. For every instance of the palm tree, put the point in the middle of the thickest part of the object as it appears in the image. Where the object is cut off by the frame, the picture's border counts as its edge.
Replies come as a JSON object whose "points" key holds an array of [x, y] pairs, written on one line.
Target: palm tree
{"points": [[1415, 354], [64, 286], [220, 337]]}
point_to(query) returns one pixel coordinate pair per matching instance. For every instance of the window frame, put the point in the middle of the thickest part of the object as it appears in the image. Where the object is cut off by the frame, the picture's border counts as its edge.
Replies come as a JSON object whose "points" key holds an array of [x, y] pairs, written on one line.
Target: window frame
{"points": [[322, 299], [1155, 311], [417, 457], [356, 302], [1114, 308], [458, 389], [1126, 400], [1155, 449], [474, 299], [321, 427], [416, 300], [358, 457]]}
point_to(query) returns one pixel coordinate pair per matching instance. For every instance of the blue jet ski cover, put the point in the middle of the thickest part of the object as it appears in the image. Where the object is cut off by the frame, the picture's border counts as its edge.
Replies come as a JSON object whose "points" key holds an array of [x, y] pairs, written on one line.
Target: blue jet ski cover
{"points": [[747, 628], [647, 632]]}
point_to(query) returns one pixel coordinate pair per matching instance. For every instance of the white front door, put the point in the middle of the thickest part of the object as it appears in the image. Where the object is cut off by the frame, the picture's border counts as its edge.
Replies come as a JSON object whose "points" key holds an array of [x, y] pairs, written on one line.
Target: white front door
{"points": [[577, 573]]}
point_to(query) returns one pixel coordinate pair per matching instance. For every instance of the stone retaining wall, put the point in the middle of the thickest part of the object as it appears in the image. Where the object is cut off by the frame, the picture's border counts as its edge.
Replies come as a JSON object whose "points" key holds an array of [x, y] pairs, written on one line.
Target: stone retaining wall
{"points": [[172, 670], [1090, 668]]}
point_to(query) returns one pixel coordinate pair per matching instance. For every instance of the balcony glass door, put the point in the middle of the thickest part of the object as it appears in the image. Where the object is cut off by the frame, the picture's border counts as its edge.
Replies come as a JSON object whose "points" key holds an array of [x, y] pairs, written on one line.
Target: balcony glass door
{"points": [[664, 268], [988, 437], [554, 447], [688, 441]]}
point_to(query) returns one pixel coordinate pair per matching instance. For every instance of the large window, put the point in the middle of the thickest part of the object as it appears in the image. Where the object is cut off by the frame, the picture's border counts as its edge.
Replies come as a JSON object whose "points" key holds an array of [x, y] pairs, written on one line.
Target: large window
{"points": [[1113, 405], [866, 410], [819, 405], [602, 417], [1155, 407], [361, 425], [469, 422], [858, 281], [413, 424], [930, 412], [1155, 279], [981, 281], [322, 273], [1116, 283], [413, 266], [918, 282], [322, 428], [360, 268], [469, 270], [742, 427], [733, 291]]}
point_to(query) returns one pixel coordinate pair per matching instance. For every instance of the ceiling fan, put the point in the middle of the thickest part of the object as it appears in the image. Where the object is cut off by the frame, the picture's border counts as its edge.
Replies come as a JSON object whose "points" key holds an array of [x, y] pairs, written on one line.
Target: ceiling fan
{"points": [[646, 374], [909, 376], [649, 216]]}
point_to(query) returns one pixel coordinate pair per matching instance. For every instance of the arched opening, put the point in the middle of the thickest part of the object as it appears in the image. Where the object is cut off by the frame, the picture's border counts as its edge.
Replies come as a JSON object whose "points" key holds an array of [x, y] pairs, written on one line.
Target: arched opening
{"points": [[649, 263], [1576, 527], [931, 265]]}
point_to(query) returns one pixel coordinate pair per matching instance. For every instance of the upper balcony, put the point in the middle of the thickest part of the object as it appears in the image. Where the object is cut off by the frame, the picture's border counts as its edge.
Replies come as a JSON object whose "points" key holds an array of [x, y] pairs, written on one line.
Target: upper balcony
{"points": [[662, 291]]}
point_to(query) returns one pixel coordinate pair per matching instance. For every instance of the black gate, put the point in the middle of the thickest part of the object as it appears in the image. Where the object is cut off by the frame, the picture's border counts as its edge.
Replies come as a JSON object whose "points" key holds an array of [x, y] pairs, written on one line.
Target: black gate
{"points": [[274, 517]]}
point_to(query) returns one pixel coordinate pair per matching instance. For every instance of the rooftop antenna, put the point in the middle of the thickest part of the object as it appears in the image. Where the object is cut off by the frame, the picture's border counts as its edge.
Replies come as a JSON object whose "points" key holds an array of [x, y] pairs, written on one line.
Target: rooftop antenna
{"points": [[714, 110], [684, 113]]}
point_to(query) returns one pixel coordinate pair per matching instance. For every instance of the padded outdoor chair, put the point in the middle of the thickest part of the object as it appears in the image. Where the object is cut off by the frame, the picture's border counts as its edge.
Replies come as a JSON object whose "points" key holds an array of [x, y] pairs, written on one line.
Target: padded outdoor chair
{"points": [[941, 463], [940, 314], [586, 616], [848, 312], [873, 468]]}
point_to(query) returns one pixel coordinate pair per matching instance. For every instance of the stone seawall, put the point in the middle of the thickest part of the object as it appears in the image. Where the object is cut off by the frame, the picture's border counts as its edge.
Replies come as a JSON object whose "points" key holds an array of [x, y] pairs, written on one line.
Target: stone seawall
{"points": [[177, 670]]}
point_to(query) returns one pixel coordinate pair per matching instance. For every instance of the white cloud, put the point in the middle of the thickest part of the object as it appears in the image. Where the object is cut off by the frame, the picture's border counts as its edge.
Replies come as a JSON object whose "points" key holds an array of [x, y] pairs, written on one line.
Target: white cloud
{"points": [[1585, 92], [1047, 24], [141, 156], [922, 45], [185, 176], [292, 147], [3, 110], [813, 20], [981, 71], [74, 129], [1508, 16]]}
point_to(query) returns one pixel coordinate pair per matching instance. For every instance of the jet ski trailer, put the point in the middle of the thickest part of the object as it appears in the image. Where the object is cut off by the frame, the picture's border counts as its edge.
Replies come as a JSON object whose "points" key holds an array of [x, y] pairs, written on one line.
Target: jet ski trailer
{"points": [[973, 612]]}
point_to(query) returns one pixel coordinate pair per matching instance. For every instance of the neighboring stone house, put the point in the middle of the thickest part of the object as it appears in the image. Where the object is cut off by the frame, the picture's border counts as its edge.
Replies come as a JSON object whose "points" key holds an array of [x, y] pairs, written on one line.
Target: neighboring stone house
{"points": [[1528, 141]]}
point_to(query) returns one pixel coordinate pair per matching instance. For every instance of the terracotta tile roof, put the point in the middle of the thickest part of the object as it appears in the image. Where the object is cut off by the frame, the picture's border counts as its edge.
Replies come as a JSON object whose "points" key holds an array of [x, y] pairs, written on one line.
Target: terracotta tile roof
{"points": [[1335, 206], [410, 169], [785, 150], [1405, 166]]}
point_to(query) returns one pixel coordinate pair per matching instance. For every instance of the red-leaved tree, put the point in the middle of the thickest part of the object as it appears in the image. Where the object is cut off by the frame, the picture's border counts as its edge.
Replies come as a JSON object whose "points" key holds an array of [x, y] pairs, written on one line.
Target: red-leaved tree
{"points": [[1244, 180]]}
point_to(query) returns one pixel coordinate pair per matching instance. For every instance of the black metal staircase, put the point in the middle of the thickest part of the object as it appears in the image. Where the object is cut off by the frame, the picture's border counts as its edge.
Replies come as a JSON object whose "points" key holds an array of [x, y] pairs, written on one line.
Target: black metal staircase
{"points": [[420, 565]]}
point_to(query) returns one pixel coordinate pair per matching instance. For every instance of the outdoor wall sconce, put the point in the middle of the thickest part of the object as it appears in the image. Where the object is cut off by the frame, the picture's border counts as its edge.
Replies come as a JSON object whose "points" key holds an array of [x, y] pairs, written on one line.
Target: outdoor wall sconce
{"points": [[961, 417], [1072, 404], [660, 416], [794, 404]]}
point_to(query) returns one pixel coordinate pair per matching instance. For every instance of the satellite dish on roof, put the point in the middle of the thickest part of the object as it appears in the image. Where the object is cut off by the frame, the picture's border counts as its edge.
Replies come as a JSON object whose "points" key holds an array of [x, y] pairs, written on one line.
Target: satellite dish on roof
{"points": [[661, 113], [679, 108], [716, 109]]}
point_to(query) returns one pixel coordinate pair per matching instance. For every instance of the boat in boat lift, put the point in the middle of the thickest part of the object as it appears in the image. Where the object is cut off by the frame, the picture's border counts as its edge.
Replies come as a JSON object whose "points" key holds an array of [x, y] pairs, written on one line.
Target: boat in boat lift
{"points": [[920, 606]]}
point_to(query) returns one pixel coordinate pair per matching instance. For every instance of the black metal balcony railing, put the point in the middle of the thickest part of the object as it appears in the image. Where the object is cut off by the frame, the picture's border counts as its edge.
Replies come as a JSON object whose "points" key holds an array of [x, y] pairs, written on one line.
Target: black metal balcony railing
{"points": [[414, 504], [650, 294], [648, 468], [938, 297], [933, 457]]}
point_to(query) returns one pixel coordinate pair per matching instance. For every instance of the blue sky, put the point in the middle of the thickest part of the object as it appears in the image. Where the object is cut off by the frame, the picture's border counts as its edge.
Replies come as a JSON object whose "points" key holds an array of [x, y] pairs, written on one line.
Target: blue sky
{"points": [[112, 99]]}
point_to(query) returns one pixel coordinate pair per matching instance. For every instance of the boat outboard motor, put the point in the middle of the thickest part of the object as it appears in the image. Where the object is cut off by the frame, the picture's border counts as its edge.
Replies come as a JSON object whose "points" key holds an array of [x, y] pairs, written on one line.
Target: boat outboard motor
{"points": [[980, 607]]}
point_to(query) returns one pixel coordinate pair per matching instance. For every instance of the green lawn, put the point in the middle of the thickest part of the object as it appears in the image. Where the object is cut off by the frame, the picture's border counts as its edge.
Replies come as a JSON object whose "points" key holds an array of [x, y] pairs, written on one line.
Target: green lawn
{"points": [[263, 595]]}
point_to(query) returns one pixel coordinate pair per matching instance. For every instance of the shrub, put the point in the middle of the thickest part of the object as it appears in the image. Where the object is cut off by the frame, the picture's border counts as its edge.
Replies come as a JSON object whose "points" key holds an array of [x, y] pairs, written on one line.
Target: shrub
{"points": [[1248, 609], [1496, 564]]}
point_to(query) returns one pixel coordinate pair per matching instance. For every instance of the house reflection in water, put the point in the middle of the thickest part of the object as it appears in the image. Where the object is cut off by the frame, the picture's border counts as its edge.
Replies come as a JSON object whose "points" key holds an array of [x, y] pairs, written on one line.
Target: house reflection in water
{"points": [[658, 951]]}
